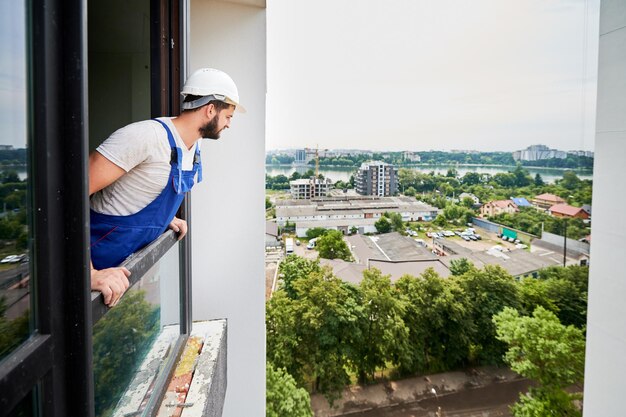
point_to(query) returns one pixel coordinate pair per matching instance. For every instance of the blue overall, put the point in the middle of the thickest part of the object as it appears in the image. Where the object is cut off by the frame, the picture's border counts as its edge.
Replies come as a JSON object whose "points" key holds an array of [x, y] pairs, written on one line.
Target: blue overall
{"points": [[114, 238]]}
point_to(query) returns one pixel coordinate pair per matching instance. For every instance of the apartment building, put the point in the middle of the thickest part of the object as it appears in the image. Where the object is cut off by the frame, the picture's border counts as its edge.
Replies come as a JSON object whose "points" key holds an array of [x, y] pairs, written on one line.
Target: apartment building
{"points": [[307, 188], [377, 178], [538, 152]]}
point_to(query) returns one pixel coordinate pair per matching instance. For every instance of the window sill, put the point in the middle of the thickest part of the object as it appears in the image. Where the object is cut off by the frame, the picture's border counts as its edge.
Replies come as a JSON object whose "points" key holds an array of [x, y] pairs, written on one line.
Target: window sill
{"points": [[207, 390]]}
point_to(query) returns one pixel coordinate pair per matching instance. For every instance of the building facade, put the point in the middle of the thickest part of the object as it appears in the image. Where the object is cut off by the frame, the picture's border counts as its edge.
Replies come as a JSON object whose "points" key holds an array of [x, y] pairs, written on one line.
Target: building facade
{"points": [[377, 178], [546, 200], [301, 157], [496, 207], [565, 210], [605, 362], [307, 188], [537, 152], [345, 213]]}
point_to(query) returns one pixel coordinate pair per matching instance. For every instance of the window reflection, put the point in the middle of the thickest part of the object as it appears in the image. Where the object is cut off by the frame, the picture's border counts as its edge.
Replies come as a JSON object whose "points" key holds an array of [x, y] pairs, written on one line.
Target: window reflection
{"points": [[15, 318], [134, 339]]}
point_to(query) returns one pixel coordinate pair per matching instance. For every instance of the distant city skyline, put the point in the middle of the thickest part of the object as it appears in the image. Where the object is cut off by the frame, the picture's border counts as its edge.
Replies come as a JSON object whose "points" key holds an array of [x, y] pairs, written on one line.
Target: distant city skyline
{"points": [[488, 75], [322, 151]]}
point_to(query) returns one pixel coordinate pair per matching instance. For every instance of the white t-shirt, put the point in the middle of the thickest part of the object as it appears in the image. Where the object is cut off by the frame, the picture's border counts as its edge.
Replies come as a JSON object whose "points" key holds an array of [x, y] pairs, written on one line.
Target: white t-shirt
{"points": [[143, 151]]}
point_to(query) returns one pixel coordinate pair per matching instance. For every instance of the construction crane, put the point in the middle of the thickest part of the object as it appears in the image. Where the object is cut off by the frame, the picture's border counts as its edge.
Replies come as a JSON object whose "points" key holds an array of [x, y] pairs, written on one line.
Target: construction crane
{"points": [[315, 152], [311, 151]]}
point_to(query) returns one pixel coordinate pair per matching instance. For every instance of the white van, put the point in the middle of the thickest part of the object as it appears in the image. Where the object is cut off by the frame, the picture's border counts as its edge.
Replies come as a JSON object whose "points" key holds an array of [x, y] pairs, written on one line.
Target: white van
{"points": [[289, 245]]}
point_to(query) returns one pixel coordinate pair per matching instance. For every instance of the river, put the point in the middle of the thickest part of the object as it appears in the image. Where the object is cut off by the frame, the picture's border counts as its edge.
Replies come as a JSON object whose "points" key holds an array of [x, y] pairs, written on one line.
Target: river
{"points": [[343, 173]]}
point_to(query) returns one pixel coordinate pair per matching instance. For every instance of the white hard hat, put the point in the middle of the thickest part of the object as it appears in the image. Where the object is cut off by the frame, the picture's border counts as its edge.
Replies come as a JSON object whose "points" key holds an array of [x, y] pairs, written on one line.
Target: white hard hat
{"points": [[211, 84]]}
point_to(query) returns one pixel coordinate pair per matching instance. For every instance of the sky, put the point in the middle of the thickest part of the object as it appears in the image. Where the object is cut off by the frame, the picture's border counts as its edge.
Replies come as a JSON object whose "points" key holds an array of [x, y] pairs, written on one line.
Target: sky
{"points": [[13, 75], [487, 75]]}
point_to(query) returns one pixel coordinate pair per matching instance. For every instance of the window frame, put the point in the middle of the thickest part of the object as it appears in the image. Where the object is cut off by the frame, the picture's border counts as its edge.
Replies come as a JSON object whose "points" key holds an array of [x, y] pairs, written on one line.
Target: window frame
{"points": [[56, 361]]}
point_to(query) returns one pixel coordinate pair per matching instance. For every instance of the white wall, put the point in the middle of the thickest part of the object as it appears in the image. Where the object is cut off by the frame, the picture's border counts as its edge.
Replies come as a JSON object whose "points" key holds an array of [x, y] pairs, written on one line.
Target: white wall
{"points": [[606, 325], [228, 213]]}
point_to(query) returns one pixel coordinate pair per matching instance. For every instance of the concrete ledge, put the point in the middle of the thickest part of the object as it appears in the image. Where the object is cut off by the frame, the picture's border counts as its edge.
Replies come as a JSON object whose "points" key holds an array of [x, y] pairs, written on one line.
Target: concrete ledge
{"points": [[208, 386], [207, 390]]}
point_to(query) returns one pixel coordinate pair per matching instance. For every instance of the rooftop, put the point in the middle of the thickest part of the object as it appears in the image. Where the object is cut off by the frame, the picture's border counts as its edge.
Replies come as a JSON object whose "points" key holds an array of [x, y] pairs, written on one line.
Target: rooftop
{"points": [[565, 209], [549, 197]]}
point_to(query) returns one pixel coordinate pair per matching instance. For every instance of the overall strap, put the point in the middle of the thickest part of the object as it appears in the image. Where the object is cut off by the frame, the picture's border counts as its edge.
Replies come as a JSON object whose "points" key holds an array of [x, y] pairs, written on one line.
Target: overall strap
{"points": [[176, 160], [198, 163]]}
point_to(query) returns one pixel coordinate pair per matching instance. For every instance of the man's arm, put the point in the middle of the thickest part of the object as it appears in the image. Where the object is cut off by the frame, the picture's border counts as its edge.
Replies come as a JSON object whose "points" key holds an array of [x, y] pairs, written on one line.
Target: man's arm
{"points": [[102, 172], [111, 282]]}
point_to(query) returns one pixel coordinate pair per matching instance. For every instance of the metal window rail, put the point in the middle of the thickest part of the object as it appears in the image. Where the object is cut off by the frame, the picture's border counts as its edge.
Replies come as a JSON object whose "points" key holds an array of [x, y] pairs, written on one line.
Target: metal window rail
{"points": [[138, 264]]}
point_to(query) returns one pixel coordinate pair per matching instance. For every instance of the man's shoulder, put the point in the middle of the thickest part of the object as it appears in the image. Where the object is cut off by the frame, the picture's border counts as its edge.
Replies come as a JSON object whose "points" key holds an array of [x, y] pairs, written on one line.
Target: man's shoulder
{"points": [[138, 142], [142, 128]]}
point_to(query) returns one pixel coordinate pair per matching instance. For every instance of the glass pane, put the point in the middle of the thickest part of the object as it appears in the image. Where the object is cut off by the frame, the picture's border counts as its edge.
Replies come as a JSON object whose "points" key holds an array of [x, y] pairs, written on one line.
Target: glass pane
{"points": [[15, 312], [135, 338]]}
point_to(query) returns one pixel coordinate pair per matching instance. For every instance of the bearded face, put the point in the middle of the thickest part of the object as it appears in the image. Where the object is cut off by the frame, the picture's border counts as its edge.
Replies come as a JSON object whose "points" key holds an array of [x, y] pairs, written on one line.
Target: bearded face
{"points": [[211, 130]]}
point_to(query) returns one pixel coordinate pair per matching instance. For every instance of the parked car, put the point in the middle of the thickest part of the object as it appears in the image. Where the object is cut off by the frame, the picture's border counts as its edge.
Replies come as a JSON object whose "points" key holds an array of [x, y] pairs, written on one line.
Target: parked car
{"points": [[11, 259]]}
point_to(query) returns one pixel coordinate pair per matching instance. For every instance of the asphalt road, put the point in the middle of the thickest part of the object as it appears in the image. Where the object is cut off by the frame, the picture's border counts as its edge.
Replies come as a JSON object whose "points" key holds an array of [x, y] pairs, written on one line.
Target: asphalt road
{"points": [[489, 401]]}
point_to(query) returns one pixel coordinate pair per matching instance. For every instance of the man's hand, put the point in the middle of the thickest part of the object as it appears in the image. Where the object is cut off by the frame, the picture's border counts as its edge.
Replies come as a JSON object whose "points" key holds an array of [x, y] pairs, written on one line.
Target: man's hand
{"points": [[111, 282], [179, 226]]}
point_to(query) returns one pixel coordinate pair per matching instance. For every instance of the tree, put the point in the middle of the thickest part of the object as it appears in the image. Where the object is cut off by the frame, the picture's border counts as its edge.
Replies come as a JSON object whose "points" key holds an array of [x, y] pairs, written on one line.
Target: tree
{"points": [[332, 246], [385, 336], [9, 176], [507, 180], [460, 266], [314, 232], [570, 180], [311, 335], [12, 332], [120, 341], [293, 268], [283, 397], [410, 192], [383, 225], [467, 202], [541, 348], [439, 320], [522, 179], [281, 329], [490, 290], [440, 220], [563, 292], [396, 221], [538, 180], [471, 178]]}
